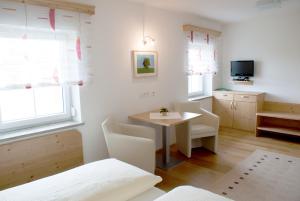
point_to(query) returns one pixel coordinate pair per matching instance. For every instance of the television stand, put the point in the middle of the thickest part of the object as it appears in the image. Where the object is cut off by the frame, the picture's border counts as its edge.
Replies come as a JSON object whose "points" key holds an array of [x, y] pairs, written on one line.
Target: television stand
{"points": [[242, 80]]}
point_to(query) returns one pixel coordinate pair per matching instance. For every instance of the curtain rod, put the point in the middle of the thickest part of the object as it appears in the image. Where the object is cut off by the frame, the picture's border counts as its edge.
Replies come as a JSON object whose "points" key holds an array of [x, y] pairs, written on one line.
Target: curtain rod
{"points": [[188, 27], [61, 4]]}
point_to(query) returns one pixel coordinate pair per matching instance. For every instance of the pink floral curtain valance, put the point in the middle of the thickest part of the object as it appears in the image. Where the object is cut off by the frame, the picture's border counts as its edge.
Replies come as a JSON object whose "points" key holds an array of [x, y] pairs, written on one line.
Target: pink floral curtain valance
{"points": [[42, 46], [201, 53]]}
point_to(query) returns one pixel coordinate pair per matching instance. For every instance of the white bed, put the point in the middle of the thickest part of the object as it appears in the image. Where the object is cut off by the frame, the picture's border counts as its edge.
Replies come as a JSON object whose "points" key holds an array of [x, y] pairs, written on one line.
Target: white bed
{"points": [[106, 180], [149, 195], [190, 193]]}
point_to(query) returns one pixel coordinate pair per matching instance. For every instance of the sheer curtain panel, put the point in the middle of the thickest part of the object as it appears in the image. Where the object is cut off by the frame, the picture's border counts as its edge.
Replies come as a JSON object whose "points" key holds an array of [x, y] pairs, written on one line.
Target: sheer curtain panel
{"points": [[40, 46], [201, 53]]}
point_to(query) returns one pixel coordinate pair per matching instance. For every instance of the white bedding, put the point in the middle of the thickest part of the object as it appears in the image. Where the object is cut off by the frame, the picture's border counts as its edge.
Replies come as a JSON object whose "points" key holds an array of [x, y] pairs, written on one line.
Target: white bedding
{"points": [[149, 195], [189, 193], [106, 180]]}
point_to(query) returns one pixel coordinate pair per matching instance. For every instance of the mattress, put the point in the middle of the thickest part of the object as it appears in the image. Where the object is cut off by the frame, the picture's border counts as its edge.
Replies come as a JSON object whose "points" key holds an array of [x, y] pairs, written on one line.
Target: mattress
{"points": [[149, 195]]}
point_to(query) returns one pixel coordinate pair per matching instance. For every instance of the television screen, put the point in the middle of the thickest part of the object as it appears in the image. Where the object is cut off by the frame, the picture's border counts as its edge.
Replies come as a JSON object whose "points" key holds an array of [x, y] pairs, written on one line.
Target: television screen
{"points": [[242, 68]]}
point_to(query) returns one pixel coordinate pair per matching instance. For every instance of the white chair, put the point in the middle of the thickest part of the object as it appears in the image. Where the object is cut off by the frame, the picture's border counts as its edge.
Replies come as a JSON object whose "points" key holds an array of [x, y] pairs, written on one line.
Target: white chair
{"points": [[200, 132], [130, 143]]}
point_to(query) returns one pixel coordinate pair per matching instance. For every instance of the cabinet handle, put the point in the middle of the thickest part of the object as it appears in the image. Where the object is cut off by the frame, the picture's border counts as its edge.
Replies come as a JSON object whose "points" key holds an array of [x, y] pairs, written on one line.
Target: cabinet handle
{"points": [[224, 94], [234, 105], [231, 105], [245, 96]]}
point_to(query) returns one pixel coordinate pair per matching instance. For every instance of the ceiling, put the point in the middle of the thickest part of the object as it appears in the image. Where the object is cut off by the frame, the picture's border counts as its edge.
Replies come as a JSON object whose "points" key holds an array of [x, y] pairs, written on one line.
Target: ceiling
{"points": [[226, 11]]}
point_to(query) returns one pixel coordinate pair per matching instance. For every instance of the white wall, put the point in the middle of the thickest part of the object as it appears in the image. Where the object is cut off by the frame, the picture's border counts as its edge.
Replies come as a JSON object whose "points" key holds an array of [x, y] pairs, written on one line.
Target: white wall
{"points": [[117, 31], [273, 41]]}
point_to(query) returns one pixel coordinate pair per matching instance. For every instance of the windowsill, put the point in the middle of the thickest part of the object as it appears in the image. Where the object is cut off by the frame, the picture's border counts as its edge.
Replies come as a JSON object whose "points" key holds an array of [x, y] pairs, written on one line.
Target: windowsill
{"points": [[199, 98], [37, 131]]}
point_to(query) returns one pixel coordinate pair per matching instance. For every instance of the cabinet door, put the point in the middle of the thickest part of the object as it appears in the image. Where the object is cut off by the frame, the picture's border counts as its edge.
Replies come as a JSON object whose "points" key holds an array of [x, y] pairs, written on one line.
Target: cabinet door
{"points": [[244, 115], [224, 109]]}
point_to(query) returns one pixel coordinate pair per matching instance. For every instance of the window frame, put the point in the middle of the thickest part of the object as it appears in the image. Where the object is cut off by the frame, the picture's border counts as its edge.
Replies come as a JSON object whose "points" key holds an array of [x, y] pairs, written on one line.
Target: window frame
{"points": [[44, 120], [197, 93]]}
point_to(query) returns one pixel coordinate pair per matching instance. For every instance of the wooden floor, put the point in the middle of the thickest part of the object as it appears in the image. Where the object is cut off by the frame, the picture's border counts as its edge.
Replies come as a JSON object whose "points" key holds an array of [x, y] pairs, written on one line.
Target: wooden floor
{"points": [[204, 168]]}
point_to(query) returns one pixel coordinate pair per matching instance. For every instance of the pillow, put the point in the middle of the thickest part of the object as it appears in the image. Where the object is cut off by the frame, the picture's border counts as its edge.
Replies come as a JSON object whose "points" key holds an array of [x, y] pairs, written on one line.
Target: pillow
{"points": [[189, 193], [105, 180]]}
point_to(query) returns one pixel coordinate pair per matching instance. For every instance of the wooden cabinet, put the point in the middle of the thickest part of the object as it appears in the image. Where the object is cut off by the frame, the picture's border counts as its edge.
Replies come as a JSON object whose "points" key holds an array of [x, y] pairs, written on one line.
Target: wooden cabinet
{"points": [[223, 108], [283, 118], [244, 115], [237, 109]]}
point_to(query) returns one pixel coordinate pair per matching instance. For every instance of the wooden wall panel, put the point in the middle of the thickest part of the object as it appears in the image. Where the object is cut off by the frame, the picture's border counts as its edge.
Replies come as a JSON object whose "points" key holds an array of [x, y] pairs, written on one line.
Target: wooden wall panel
{"points": [[30, 159]]}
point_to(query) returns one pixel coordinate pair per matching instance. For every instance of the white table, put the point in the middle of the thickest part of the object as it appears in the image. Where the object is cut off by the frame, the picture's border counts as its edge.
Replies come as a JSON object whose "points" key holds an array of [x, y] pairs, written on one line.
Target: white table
{"points": [[167, 161]]}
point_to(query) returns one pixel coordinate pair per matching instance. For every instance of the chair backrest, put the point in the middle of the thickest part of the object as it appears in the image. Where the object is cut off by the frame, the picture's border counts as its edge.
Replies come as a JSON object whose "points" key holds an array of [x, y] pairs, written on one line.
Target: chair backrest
{"points": [[188, 106], [109, 126]]}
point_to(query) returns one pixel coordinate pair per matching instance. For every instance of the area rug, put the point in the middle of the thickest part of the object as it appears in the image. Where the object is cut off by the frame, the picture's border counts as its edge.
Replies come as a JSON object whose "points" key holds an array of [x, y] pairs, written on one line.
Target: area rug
{"points": [[263, 176]]}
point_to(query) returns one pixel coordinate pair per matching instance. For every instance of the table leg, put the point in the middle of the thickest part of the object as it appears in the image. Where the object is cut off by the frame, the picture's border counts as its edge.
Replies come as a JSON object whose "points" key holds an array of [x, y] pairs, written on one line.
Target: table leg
{"points": [[165, 161], [166, 147]]}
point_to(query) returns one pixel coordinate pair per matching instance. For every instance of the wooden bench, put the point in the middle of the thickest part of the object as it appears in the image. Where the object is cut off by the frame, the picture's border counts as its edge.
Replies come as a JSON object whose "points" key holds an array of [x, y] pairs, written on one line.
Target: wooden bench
{"points": [[283, 118]]}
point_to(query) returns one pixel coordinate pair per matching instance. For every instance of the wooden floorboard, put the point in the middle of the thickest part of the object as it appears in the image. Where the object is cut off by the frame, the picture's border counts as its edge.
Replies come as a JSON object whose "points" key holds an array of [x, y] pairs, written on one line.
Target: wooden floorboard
{"points": [[204, 168]]}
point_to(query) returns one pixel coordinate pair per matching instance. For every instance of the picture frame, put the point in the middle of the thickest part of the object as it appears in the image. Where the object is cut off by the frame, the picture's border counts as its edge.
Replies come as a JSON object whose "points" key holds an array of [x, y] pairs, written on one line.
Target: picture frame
{"points": [[144, 63]]}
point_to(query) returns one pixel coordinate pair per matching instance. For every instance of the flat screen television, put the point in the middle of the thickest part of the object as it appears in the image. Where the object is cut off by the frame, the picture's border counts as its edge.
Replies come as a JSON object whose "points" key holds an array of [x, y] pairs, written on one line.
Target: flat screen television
{"points": [[242, 68]]}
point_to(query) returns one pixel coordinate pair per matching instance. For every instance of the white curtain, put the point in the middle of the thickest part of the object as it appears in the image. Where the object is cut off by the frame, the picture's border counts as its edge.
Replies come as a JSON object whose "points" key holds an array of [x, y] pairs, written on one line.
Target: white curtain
{"points": [[201, 53], [41, 46]]}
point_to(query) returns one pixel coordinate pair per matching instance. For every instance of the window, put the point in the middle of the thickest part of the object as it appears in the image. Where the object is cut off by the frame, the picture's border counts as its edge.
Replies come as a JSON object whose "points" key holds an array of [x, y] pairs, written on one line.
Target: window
{"points": [[195, 85], [35, 66], [37, 105], [44, 53], [201, 59], [22, 108]]}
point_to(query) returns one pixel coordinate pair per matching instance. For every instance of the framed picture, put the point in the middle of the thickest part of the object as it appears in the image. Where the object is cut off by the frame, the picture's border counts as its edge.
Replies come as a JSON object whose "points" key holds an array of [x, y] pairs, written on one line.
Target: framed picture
{"points": [[144, 63]]}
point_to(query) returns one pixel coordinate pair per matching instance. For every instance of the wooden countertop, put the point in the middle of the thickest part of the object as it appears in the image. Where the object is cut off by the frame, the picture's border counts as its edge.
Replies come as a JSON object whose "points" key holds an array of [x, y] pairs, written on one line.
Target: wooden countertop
{"points": [[241, 92]]}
